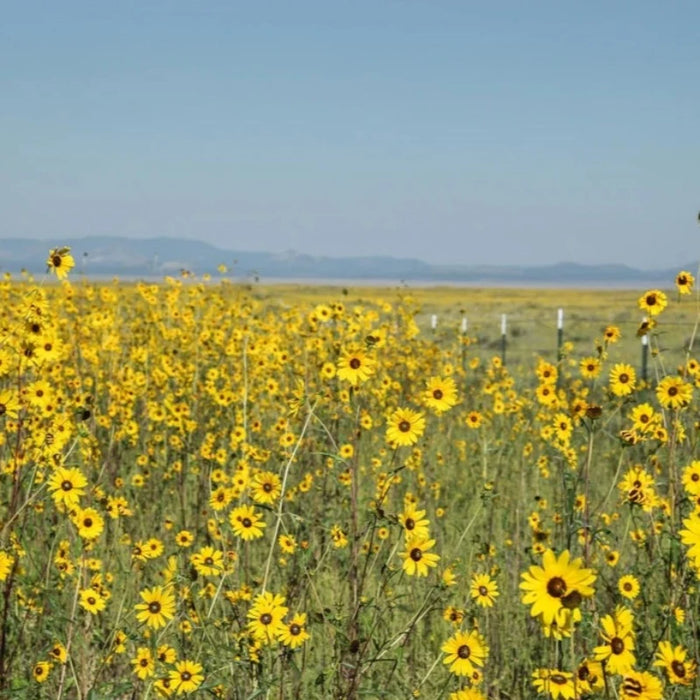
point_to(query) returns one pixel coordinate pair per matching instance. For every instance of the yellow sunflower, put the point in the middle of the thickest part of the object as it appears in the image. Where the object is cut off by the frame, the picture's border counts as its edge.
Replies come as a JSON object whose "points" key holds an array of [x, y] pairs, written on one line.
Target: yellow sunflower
{"points": [[653, 302], [404, 427], [464, 652], [559, 583]]}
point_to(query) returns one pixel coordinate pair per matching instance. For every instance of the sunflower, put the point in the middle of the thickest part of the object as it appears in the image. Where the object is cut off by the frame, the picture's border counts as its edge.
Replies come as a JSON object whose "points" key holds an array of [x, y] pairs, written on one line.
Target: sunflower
{"points": [[691, 478], [208, 561], [355, 366], [265, 487], [246, 523], [637, 487], [293, 634], [589, 676], [691, 535], [559, 583], [404, 427], [590, 367], [467, 694], [67, 485], [623, 379], [184, 538], [684, 282], [557, 684], [464, 652], [287, 544], [157, 608], [643, 417], [473, 419], [672, 392], [265, 616], [546, 372], [92, 601], [483, 590], [9, 404], [453, 615], [640, 685], [58, 653], [653, 302], [166, 654], [679, 669], [416, 558], [186, 677], [41, 671], [618, 650], [6, 562], [60, 262], [611, 334], [89, 523], [440, 394], [413, 521], [628, 586]]}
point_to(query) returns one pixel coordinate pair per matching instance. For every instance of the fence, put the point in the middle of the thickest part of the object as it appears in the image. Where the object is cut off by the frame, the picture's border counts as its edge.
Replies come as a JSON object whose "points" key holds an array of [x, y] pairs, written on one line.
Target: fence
{"points": [[512, 346]]}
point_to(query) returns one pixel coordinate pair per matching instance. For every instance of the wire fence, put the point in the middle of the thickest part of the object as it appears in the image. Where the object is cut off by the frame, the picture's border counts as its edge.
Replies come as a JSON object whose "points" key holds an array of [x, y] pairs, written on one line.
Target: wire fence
{"points": [[517, 338]]}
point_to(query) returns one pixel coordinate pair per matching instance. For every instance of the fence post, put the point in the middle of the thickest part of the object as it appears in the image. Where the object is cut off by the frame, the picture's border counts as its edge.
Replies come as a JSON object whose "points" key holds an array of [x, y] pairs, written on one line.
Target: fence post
{"points": [[645, 354], [560, 343], [433, 322], [503, 339]]}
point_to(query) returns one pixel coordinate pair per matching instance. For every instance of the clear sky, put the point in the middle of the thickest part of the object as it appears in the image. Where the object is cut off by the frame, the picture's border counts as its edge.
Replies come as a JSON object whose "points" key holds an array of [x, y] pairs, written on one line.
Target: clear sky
{"points": [[451, 131]]}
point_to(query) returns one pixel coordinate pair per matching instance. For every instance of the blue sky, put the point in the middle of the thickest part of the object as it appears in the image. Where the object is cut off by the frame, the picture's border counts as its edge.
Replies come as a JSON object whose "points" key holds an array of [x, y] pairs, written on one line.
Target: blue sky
{"points": [[470, 132]]}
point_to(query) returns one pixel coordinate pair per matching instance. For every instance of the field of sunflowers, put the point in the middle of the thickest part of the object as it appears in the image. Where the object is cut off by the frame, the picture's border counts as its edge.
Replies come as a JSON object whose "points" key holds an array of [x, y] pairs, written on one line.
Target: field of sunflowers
{"points": [[212, 489]]}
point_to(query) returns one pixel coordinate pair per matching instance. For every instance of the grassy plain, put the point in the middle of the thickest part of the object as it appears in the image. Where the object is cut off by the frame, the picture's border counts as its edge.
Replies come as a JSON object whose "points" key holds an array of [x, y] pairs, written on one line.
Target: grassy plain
{"points": [[197, 475]]}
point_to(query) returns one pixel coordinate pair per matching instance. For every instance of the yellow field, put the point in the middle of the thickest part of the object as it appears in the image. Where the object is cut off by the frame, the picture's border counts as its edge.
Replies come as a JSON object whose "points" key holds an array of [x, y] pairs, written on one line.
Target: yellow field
{"points": [[216, 490]]}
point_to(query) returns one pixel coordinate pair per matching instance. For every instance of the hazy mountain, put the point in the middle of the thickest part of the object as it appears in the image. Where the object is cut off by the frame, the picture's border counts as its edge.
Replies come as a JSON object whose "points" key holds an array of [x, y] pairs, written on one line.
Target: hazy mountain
{"points": [[97, 256]]}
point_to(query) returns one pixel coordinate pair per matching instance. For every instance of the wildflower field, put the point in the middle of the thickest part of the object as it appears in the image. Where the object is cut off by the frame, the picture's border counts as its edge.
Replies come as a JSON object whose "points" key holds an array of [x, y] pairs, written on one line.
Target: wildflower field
{"points": [[212, 489]]}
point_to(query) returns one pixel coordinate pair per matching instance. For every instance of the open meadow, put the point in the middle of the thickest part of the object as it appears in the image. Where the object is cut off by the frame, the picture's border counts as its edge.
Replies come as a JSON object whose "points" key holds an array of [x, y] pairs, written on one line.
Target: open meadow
{"points": [[212, 489]]}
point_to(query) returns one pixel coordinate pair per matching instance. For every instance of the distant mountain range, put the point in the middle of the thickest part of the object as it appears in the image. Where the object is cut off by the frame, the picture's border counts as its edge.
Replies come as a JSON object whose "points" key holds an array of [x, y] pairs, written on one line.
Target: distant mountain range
{"points": [[97, 256]]}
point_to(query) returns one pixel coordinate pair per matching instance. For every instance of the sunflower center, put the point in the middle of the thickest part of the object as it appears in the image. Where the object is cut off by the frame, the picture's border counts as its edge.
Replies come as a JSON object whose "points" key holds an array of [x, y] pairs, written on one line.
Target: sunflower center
{"points": [[678, 667], [483, 590], [617, 645], [416, 554], [246, 522], [87, 522], [437, 394], [651, 299], [410, 523], [556, 587], [558, 679], [266, 618], [624, 378], [267, 488], [3, 409], [154, 607], [464, 652], [583, 673], [405, 426], [56, 260], [209, 561], [355, 363], [294, 629], [186, 675], [672, 391], [66, 485]]}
